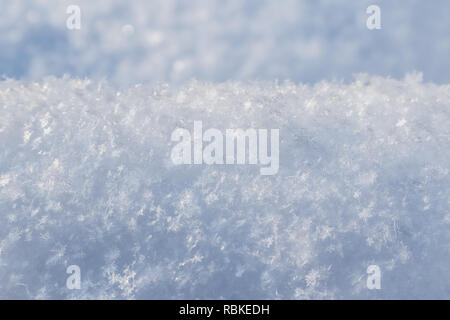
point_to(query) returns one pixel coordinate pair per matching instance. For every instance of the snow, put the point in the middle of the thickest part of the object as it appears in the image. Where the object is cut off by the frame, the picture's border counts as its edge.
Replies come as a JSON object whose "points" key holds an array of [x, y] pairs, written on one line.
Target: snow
{"points": [[173, 41], [86, 179]]}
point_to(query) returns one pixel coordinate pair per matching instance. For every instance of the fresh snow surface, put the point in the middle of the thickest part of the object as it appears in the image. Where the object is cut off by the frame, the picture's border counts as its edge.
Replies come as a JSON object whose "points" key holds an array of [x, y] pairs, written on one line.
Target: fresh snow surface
{"points": [[86, 179]]}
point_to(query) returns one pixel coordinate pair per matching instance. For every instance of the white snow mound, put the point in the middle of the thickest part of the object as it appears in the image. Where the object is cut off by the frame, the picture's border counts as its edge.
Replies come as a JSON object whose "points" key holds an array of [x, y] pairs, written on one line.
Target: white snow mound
{"points": [[86, 179]]}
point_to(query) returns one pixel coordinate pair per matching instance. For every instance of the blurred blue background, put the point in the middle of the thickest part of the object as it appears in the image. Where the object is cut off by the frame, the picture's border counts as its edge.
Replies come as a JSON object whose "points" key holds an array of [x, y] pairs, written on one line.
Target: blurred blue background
{"points": [[173, 41]]}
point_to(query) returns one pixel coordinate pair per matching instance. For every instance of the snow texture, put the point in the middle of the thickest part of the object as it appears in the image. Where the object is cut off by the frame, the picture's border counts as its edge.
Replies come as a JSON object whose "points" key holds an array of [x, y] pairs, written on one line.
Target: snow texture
{"points": [[86, 179], [172, 41]]}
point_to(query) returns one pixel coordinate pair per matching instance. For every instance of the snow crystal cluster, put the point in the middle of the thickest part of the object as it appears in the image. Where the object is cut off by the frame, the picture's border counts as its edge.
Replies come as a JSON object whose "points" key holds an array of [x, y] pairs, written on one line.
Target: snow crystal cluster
{"points": [[214, 40], [86, 179]]}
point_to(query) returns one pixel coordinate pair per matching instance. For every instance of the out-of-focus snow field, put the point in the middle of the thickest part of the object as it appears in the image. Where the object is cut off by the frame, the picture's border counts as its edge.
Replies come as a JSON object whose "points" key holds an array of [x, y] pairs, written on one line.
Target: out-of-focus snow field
{"points": [[85, 171], [215, 40]]}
